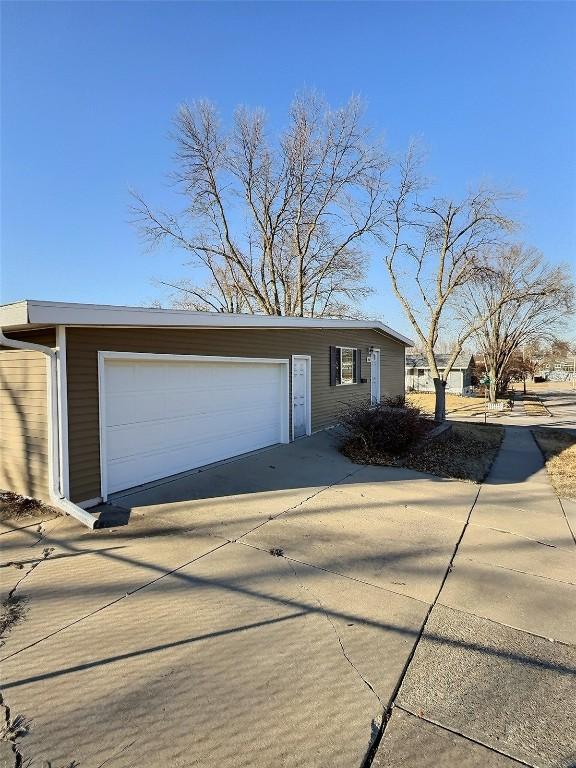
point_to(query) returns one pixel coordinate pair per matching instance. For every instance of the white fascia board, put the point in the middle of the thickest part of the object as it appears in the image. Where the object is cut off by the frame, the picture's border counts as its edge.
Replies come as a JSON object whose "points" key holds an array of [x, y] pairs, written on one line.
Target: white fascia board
{"points": [[41, 313], [14, 314]]}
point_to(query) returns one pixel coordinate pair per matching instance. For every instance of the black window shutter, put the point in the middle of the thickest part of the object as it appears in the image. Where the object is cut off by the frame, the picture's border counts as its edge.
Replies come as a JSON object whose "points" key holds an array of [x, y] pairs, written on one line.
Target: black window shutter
{"points": [[333, 366], [358, 365]]}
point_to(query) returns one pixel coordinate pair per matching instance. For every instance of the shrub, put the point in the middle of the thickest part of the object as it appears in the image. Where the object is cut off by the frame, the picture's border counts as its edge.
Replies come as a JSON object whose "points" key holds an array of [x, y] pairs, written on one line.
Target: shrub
{"points": [[398, 401], [389, 427]]}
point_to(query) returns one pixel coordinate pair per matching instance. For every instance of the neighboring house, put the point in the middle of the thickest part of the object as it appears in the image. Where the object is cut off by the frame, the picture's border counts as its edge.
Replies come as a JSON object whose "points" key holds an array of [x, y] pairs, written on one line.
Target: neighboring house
{"points": [[419, 376], [564, 370], [134, 394]]}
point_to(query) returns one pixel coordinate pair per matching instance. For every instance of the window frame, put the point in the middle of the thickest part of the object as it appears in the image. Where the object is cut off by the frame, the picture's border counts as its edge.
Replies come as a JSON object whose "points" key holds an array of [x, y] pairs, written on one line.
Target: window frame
{"points": [[355, 352]]}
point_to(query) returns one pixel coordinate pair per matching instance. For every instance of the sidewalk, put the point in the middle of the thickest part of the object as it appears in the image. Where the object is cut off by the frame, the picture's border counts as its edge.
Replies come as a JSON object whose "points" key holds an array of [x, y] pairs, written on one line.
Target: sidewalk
{"points": [[493, 678], [558, 412]]}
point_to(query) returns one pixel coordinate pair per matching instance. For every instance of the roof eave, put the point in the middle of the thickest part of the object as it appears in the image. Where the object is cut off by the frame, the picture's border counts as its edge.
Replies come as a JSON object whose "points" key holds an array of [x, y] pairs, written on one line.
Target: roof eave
{"points": [[30, 314]]}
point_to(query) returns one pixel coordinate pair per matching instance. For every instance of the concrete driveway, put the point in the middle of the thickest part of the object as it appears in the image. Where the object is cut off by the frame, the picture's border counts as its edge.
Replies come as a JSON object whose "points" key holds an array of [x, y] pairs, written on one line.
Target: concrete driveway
{"points": [[293, 609]]}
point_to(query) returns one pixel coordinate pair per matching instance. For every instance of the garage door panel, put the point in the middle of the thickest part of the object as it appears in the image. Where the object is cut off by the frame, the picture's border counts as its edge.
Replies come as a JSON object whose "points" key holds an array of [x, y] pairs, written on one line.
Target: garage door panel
{"points": [[120, 377], [130, 439], [158, 409], [162, 418], [162, 462], [150, 405], [127, 408]]}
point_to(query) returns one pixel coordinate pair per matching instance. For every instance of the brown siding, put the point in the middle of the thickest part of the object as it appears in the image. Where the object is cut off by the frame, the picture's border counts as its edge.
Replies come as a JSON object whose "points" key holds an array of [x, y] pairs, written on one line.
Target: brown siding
{"points": [[24, 417], [83, 345]]}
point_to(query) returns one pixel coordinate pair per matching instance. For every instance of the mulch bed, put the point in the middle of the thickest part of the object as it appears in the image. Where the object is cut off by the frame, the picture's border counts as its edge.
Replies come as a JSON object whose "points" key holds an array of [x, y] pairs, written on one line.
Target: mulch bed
{"points": [[465, 452], [16, 507]]}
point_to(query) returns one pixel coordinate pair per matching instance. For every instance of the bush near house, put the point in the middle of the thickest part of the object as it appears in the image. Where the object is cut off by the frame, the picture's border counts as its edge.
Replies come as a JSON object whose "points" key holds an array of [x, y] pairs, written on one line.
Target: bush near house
{"points": [[390, 427], [392, 434]]}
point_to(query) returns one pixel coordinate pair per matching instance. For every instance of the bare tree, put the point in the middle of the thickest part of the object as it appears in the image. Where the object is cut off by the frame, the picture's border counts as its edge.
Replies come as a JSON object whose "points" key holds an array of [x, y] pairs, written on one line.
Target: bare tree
{"points": [[543, 304], [435, 247], [277, 227]]}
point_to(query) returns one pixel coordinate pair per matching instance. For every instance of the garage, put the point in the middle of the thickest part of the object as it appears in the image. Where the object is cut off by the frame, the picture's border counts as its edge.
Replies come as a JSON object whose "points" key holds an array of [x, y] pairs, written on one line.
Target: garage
{"points": [[165, 414], [106, 398]]}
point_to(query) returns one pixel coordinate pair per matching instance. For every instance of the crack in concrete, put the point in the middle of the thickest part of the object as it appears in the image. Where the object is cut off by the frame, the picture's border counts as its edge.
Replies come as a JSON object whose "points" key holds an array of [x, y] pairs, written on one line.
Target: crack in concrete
{"points": [[42, 533], [494, 528], [517, 570], [327, 616], [521, 536], [377, 727], [46, 552], [388, 709], [117, 753], [12, 729], [113, 602], [573, 532], [183, 565], [20, 528], [295, 506], [388, 713], [13, 612], [413, 508], [463, 735], [10, 615], [38, 522], [335, 573]]}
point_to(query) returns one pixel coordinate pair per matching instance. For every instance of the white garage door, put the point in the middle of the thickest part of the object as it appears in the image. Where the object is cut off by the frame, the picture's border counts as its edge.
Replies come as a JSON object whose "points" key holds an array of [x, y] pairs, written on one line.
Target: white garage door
{"points": [[160, 417]]}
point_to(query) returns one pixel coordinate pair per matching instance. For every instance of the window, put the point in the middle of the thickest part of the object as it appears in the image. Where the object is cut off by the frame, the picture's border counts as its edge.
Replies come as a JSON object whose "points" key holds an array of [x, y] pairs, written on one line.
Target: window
{"points": [[420, 371], [346, 365]]}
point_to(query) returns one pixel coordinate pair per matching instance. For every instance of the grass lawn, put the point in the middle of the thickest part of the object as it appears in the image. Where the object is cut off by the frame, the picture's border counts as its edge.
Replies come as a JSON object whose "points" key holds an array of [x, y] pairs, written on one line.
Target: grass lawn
{"points": [[466, 452], [533, 405], [559, 450]]}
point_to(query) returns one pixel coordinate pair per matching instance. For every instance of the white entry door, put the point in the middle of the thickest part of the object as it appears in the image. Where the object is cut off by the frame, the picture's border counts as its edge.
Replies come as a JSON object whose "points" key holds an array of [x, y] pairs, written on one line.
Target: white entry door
{"points": [[375, 378], [162, 414], [300, 395]]}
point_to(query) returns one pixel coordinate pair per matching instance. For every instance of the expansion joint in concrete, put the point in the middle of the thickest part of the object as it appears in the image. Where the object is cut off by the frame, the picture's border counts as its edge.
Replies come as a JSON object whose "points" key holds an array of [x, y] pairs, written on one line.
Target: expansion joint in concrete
{"points": [[295, 506], [388, 713], [461, 734]]}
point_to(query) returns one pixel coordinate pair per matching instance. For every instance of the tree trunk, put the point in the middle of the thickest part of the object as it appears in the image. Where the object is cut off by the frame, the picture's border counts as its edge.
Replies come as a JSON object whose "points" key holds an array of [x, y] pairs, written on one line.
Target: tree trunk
{"points": [[493, 390], [440, 405]]}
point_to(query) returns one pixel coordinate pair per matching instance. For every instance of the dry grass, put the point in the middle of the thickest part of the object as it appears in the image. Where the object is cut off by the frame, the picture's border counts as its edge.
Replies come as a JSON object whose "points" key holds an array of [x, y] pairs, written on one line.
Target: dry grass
{"points": [[533, 405], [460, 406], [559, 450], [547, 386], [466, 452]]}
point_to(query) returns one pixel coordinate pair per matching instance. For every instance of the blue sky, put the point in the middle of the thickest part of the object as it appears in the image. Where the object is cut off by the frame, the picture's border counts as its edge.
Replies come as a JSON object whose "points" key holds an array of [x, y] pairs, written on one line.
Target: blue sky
{"points": [[89, 90]]}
